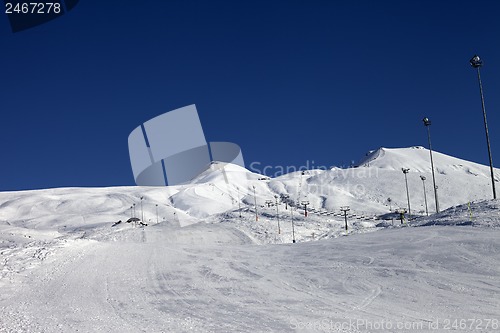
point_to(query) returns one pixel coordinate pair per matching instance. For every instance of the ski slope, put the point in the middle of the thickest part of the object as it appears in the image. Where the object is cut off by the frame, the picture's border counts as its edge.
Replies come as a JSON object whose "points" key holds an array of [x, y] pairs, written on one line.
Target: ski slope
{"points": [[205, 263], [213, 278]]}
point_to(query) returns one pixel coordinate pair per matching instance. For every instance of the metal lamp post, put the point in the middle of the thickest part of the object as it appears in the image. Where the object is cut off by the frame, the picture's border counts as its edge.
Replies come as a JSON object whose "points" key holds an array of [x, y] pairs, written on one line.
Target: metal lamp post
{"points": [[425, 195], [427, 123], [405, 172], [277, 214], [142, 211], [239, 200], [157, 213], [255, 201], [293, 227], [476, 62]]}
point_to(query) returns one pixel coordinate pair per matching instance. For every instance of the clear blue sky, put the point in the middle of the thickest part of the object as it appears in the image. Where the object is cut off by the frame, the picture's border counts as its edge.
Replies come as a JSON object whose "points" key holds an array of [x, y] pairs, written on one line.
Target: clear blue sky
{"points": [[289, 81]]}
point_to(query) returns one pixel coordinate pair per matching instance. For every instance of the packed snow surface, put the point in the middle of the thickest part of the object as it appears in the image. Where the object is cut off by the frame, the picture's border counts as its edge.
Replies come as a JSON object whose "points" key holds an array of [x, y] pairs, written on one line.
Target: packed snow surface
{"points": [[210, 260]]}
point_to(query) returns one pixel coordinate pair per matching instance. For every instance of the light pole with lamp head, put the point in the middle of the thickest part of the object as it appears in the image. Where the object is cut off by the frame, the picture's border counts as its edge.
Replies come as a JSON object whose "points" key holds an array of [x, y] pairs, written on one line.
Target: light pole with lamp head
{"points": [[427, 123], [142, 211], [277, 214], [405, 171], [476, 62], [425, 195], [255, 201], [239, 200]]}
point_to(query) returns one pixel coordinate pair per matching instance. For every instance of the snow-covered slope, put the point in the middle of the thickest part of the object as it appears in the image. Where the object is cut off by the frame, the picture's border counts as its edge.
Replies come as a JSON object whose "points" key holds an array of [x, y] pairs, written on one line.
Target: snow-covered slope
{"points": [[459, 181], [67, 265], [228, 190], [418, 159], [378, 177], [214, 278], [365, 189]]}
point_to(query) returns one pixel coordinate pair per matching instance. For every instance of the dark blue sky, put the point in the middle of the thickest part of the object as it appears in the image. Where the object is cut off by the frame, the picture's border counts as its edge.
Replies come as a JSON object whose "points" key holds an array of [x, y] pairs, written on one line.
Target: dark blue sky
{"points": [[289, 81]]}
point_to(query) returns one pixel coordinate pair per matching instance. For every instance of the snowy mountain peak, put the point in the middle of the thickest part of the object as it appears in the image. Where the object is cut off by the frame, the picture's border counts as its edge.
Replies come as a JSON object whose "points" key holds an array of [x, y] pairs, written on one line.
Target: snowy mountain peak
{"points": [[417, 158], [220, 170]]}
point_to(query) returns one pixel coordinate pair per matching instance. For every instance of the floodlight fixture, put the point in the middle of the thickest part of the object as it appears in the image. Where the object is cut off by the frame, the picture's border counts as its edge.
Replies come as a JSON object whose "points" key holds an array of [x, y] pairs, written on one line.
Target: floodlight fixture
{"points": [[476, 62]]}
